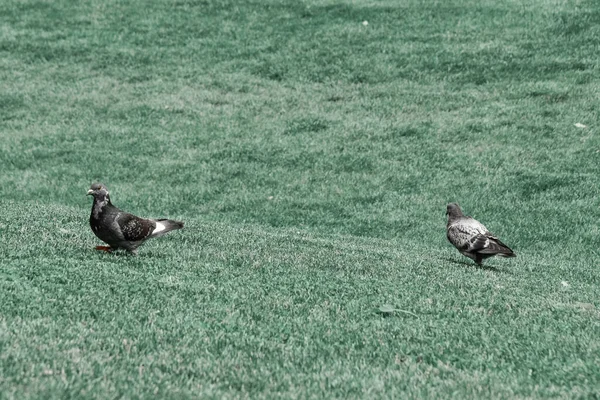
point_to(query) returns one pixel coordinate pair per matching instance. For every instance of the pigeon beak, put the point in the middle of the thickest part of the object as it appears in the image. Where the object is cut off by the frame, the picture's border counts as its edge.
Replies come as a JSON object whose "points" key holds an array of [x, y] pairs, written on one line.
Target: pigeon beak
{"points": [[90, 192]]}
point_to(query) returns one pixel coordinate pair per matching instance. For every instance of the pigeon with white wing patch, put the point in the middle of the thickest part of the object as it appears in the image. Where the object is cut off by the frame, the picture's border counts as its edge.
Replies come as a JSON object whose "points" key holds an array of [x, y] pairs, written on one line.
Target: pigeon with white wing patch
{"points": [[471, 238], [121, 230]]}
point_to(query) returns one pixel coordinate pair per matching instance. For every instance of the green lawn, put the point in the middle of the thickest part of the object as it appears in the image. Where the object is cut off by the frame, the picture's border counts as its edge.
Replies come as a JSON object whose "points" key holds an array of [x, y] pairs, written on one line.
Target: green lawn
{"points": [[311, 156]]}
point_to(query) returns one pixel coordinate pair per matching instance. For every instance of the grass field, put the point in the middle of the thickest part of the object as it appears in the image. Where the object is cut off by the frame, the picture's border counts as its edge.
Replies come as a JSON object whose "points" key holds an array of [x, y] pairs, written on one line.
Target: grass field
{"points": [[311, 148]]}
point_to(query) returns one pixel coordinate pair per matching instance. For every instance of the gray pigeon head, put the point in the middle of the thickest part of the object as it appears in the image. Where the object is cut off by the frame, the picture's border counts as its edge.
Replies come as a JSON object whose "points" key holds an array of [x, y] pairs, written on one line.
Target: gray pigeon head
{"points": [[98, 190], [453, 210]]}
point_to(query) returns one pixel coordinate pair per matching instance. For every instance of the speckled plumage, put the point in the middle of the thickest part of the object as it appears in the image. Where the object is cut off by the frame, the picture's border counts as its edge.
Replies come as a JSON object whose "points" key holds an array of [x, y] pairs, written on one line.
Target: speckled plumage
{"points": [[471, 238], [120, 229]]}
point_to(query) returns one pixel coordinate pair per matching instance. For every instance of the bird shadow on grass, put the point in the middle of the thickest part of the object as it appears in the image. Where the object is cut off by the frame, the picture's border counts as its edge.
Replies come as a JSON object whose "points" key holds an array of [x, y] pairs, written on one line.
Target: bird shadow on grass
{"points": [[473, 265]]}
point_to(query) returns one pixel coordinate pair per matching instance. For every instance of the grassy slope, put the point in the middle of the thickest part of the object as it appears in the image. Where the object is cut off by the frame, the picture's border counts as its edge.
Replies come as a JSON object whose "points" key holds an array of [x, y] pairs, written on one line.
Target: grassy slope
{"points": [[311, 157]]}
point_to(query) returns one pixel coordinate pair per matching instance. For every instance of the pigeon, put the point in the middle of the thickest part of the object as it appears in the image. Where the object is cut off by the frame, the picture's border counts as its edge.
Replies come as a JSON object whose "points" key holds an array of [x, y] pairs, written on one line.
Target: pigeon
{"points": [[471, 238], [122, 230]]}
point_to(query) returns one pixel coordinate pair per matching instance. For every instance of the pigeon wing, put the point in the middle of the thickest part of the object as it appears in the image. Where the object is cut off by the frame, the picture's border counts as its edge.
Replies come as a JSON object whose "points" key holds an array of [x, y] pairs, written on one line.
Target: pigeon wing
{"points": [[465, 234], [134, 228], [480, 244], [493, 245]]}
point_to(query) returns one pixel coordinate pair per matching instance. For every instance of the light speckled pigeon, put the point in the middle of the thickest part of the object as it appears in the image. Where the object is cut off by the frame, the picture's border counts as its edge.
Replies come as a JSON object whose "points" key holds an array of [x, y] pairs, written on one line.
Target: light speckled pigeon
{"points": [[471, 238], [122, 230]]}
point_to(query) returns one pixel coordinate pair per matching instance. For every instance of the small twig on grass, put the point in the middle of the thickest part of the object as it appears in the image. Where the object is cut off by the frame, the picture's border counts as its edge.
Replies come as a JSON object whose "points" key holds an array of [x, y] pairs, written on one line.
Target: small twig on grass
{"points": [[387, 309], [407, 312]]}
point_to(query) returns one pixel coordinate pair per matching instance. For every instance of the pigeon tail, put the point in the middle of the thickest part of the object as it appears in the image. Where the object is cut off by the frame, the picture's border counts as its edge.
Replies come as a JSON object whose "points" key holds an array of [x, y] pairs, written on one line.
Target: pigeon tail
{"points": [[506, 255], [165, 225]]}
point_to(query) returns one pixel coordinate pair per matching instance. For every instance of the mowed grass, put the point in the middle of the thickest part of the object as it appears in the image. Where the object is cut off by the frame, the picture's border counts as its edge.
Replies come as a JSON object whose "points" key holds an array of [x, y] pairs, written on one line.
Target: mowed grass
{"points": [[311, 156]]}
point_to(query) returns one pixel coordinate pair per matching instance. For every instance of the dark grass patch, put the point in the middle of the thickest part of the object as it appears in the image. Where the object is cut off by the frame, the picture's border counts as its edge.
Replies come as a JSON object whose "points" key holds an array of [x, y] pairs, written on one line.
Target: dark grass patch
{"points": [[305, 125]]}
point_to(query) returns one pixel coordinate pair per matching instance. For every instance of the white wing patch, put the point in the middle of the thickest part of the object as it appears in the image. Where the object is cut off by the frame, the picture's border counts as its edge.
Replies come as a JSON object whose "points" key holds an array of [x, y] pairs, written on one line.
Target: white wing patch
{"points": [[159, 228]]}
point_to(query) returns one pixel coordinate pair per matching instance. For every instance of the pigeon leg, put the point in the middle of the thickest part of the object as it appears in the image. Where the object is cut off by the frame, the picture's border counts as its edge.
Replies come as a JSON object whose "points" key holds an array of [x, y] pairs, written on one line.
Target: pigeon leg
{"points": [[107, 249]]}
